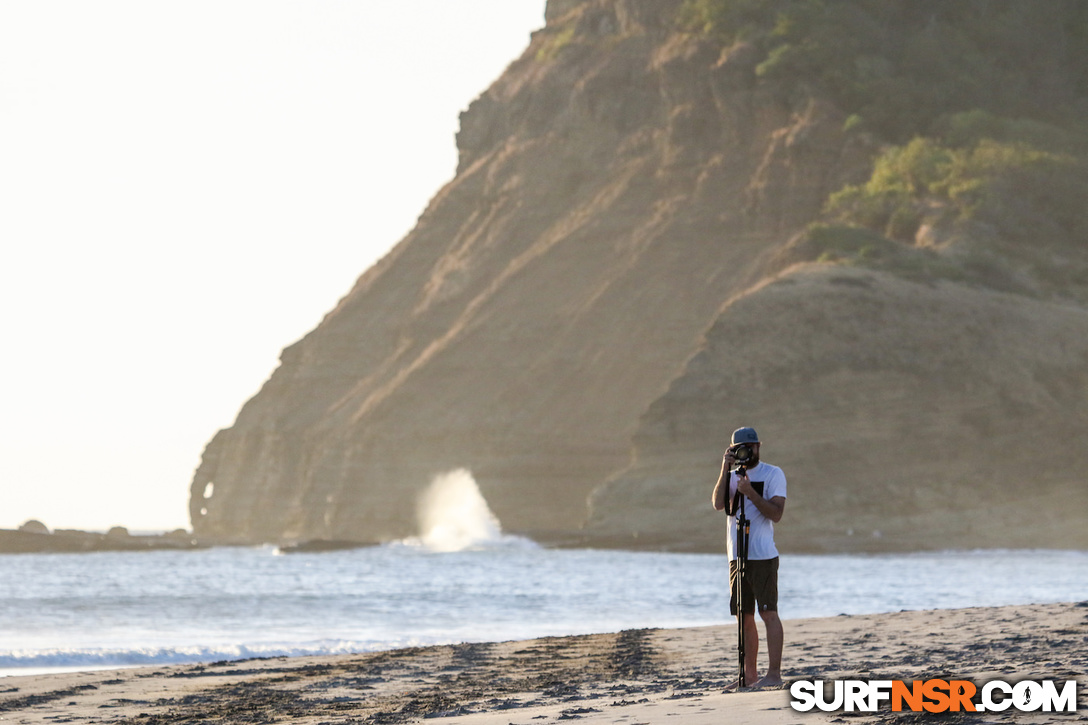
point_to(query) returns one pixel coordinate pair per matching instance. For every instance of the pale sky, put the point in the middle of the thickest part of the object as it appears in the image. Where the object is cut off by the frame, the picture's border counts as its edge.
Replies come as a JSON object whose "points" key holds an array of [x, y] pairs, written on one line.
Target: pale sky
{"points": [[186, 188]]}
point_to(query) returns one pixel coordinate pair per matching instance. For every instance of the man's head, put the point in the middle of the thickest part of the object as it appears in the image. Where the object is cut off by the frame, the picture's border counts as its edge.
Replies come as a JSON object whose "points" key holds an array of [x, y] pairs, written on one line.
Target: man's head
{"points": [[744, 435], [748, 438]]}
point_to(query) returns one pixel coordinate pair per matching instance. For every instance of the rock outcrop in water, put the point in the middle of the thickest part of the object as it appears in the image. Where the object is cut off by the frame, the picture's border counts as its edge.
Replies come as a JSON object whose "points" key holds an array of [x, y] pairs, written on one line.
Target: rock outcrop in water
{"points": [[656, 235]]}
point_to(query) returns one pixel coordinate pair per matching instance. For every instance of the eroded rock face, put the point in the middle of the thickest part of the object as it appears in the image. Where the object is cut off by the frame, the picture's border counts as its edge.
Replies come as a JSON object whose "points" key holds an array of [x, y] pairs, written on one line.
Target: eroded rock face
{"points": [[901, 419], [574, 313]]}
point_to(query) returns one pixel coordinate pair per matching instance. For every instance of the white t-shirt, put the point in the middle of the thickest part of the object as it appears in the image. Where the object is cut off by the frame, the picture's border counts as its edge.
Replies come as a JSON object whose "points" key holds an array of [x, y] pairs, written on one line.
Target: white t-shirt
{"points": [[761, 537]]}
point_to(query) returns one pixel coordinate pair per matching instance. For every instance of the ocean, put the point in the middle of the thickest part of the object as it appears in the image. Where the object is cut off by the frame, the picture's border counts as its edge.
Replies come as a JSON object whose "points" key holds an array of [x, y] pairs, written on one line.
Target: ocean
{"points": [[461, 580], [104, 610]]}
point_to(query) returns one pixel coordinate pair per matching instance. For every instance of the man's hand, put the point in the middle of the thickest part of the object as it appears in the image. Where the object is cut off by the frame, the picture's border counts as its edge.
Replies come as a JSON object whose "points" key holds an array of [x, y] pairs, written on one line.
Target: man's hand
{"points": [[721, 489], [744, 485]]}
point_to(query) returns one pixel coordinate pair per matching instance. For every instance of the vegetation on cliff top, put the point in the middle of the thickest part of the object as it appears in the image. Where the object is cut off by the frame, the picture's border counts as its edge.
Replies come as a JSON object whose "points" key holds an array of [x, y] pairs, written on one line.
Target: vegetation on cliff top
{"points": [[980, 107], [900, 67]]}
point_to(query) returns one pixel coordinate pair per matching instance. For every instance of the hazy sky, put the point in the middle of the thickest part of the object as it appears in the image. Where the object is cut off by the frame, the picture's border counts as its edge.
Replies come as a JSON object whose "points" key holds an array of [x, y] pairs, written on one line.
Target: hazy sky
{"points": [[187, 187]]}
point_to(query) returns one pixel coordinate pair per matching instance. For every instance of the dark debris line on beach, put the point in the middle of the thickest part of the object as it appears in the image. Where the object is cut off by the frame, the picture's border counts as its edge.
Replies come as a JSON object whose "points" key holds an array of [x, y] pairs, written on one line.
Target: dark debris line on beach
{"points": [[588, 672], [18, 704]]}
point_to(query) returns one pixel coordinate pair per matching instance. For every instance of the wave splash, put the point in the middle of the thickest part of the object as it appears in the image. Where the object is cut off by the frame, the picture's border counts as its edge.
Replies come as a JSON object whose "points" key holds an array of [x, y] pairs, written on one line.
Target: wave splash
{"points": [[453, 516]]}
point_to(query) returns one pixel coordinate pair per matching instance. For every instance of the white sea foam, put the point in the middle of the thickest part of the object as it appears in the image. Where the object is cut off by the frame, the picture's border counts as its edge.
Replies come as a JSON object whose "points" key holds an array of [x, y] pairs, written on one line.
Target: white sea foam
{"points": [[453, 516], [24, 662]]}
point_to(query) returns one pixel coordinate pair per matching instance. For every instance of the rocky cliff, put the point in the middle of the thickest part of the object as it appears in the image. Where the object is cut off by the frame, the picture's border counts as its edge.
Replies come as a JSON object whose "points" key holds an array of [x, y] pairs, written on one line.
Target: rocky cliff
{"points": [[652, 239]]}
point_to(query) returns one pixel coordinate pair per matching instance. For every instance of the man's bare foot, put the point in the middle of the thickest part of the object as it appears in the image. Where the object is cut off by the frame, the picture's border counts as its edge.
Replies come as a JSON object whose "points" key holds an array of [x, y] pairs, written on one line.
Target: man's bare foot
{"points": [[734, 686], [768, 681]]}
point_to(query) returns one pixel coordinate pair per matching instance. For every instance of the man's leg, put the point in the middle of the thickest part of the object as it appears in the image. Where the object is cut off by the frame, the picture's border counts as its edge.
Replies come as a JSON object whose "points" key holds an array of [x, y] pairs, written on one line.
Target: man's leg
{"points": [[774, 648], [765, 585]]}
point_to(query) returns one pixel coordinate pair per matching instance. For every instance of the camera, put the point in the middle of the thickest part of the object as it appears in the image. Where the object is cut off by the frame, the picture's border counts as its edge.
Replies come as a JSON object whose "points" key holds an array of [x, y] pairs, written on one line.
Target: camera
{"points": [[743, 453]]}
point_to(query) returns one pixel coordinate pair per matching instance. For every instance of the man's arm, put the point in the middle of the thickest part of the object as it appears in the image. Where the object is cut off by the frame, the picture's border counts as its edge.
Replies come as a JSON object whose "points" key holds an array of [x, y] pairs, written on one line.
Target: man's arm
{"points": [[721, 489], [772, 508]]}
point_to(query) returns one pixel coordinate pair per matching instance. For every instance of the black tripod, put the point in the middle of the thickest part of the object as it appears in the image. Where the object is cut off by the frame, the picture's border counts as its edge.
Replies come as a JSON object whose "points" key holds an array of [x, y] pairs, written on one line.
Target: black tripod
{"points": [[743, 531]]}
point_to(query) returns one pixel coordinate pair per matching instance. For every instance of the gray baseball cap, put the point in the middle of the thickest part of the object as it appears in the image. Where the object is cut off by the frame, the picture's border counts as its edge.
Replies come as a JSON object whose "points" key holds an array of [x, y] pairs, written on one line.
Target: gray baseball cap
{"points": [[745, 435]]}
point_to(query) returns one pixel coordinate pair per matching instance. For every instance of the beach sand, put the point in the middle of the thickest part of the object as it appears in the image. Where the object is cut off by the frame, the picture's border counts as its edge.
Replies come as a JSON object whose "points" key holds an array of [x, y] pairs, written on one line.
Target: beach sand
{"points": [[636, 676]]}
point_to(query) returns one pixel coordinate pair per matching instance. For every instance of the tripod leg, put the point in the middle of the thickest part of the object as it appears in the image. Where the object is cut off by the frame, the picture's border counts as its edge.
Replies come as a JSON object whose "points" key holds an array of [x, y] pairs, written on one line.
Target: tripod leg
{"points": [[744, 631], [741, 679]]}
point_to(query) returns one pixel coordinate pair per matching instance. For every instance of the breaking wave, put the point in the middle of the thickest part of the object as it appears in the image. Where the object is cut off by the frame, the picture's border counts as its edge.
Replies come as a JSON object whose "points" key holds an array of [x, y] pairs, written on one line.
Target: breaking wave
{"points": [[16, 662], [454, 516]]}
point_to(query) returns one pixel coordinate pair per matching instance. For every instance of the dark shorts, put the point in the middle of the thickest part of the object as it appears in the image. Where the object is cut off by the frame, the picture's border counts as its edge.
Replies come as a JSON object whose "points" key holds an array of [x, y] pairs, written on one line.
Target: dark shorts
{"points": [[760, 585]]}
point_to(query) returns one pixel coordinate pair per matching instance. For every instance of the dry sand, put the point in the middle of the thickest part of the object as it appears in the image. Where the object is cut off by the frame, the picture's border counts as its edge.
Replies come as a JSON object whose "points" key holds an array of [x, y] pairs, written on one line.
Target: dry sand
{"points": [[630, 677]]}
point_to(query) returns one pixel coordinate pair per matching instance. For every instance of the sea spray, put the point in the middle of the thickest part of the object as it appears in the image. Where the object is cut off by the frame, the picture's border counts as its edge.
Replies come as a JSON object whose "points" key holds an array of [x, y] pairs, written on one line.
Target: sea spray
{"points": [[453, 515]]}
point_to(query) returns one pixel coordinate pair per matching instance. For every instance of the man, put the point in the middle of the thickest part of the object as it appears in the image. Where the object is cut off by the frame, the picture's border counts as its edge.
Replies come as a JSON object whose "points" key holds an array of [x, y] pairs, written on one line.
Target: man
{"points": [[763, 489]]}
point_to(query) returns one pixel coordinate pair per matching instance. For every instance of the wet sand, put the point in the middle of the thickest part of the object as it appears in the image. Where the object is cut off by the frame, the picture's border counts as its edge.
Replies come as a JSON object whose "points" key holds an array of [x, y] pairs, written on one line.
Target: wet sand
{"points": [[636, 676]]}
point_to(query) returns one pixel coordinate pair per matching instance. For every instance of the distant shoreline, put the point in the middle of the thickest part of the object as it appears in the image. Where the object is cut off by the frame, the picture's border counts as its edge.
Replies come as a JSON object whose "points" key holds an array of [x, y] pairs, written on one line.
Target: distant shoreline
{"points": [[66, 541], [73, 541]]}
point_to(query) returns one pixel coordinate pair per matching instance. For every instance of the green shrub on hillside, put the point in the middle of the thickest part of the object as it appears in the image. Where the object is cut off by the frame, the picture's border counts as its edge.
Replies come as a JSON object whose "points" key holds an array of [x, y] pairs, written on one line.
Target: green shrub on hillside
{"points": [[838, 243], [729, 21], [902, 65], [555, 43], [967, 128], [1021, 191], [1004, 214], [831, 243]]}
